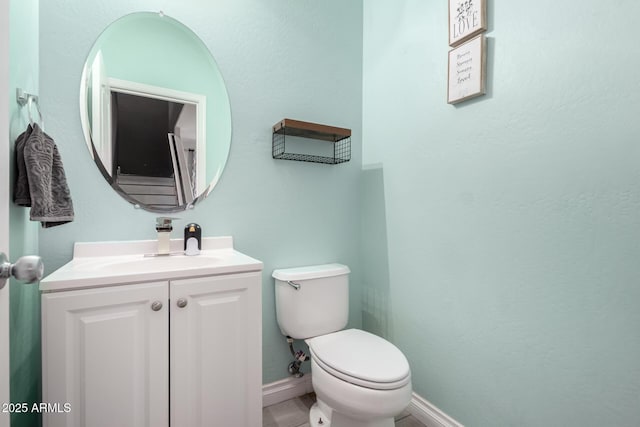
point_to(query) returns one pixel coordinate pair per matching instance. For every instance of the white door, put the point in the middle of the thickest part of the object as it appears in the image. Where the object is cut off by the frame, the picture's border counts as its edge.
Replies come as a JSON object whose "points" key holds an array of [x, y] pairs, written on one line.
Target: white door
{"points": [[216, 347], [4, 204], [105, 353]]}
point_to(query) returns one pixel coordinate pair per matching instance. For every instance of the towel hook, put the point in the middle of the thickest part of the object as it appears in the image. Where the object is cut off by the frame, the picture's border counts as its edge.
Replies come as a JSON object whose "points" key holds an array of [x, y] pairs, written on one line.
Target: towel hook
{"points": [[29, 99], [34, 101]]}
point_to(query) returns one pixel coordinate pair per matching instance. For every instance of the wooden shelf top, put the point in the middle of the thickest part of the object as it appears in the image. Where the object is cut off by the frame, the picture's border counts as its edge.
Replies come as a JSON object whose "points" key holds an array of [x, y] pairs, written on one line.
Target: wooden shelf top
{"points": [[311, 130]]}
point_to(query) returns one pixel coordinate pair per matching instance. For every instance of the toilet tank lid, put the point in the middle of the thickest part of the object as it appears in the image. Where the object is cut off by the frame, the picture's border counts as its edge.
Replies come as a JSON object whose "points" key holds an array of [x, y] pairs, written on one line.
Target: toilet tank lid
{"points": [[310, 272]]}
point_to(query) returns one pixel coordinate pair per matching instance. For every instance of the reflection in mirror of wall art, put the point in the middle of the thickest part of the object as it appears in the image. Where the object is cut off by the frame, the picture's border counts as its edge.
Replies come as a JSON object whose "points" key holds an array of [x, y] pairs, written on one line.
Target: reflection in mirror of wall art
{"points": [[467, 18], [155, 112]]}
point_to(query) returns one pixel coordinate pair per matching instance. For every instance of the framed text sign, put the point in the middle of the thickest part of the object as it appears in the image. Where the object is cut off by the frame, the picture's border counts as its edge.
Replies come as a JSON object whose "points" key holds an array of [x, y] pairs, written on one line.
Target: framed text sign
{"points": [[467, 18], [467, 70]]}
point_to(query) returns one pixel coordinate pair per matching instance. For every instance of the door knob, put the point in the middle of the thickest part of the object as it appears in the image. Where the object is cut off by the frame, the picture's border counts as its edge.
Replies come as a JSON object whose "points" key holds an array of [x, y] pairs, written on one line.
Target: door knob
{"points": [[182, 302], [28, 269]]}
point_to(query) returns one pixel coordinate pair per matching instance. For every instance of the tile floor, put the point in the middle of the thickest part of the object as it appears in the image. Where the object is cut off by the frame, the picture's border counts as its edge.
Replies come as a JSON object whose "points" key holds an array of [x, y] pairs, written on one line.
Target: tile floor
{"points": [[295, 413]]}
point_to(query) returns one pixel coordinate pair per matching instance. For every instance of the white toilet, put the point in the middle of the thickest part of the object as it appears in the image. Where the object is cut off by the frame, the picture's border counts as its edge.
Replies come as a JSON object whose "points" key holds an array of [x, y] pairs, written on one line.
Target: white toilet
{"points": [[360, 379]]}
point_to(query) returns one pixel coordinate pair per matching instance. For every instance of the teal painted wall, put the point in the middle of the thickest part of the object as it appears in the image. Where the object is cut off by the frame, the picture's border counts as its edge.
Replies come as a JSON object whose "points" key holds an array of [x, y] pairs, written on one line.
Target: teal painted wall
{"points": [[279, 59], [25, 299], [376, 299], [512, 220]]}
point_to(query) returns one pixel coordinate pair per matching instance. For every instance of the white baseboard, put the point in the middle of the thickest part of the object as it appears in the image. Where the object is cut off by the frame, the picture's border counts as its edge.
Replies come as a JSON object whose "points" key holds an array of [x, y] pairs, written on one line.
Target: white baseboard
{"points": [[285, 389], [428, 414]]}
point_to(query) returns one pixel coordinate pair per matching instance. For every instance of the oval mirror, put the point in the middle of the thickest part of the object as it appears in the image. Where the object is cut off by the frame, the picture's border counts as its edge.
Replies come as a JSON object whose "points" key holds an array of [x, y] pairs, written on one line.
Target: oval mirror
{"points": [[155, 112]]}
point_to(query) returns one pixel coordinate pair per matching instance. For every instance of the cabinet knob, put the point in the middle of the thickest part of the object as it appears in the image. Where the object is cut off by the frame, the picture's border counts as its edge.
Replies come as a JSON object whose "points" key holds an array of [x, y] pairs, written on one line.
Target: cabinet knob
{"points": [[156, 306], [182, 302]]}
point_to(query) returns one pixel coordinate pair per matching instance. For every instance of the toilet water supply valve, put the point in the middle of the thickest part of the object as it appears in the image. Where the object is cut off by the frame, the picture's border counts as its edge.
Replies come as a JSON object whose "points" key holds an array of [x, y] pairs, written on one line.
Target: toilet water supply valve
{"points": [[299, 357]]}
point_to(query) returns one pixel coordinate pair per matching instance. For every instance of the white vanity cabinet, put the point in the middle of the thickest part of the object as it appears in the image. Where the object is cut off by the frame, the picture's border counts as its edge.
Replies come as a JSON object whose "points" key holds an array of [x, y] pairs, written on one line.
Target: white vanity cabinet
{"points": [[105, 353], [216, 364], [181, 352]]}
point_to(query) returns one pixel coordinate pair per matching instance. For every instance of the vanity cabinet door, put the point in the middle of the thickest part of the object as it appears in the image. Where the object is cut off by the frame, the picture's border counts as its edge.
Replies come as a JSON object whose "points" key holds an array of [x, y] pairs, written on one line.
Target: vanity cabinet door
{"points": [[216, 351], [105, 354]]}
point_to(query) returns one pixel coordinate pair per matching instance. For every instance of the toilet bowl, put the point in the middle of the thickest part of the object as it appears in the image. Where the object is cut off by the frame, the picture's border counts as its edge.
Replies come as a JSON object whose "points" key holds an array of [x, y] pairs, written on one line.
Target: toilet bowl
{"points": [[360, 379]]}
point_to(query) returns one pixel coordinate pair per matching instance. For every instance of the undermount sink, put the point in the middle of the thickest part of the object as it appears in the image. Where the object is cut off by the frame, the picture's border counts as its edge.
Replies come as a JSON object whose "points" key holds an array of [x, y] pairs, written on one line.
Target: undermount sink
{"points": [[171, 261], [101, 263], [135, 263]]}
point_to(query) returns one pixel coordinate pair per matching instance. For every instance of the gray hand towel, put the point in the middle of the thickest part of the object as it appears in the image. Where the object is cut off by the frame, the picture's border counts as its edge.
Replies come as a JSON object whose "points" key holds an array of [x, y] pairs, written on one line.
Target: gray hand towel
{"points": [[48, 190], [21, 195]]}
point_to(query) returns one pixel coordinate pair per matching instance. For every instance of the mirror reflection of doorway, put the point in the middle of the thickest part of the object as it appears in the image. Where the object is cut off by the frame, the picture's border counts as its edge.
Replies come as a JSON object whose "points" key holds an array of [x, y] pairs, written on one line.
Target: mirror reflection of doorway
{"points": [[153, 143], [148, 141]]}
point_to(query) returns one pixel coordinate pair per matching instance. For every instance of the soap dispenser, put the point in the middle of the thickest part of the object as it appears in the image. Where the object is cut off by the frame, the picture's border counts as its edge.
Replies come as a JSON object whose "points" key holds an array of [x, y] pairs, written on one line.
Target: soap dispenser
{"points": [[192, 239]]}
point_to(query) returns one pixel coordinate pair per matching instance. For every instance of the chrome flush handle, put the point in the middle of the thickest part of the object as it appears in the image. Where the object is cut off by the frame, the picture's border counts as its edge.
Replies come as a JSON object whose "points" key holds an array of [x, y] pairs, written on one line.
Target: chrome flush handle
{"points": [[294, 285]]}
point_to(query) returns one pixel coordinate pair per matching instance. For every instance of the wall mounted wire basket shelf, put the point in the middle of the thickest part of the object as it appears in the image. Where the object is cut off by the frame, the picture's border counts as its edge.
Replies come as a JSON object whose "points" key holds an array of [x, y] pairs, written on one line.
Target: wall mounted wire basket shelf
{"points": [[339, 137]]}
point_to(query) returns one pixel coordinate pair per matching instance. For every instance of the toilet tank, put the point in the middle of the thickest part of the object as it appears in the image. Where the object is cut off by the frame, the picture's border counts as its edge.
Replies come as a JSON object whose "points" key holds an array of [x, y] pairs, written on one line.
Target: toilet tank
{"points": [[318, 306]]}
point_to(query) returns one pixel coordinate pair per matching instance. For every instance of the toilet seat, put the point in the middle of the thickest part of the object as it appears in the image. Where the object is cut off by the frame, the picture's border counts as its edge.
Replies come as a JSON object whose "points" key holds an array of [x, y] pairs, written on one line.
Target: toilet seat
{"points": [[361, 358]]}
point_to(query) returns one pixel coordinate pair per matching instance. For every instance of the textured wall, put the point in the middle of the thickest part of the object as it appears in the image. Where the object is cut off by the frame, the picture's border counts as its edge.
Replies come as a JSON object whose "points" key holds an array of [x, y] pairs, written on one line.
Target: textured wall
{"points": [[298, 59], [25, 299], [512, 220]]}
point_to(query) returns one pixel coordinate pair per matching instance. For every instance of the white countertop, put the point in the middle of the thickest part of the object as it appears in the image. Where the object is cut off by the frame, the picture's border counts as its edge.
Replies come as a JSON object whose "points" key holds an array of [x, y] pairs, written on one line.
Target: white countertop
{"points": [[97, 264]]}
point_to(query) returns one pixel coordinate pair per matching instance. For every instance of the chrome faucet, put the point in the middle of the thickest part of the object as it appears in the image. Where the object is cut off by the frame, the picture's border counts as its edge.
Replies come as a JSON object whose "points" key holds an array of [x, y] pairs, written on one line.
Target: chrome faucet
{"points": [[164, 227]]}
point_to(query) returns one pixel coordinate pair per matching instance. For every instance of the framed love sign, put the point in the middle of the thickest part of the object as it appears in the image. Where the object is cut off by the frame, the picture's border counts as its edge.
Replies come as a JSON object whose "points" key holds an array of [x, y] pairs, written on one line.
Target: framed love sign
{"points": [[467, 18]]}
